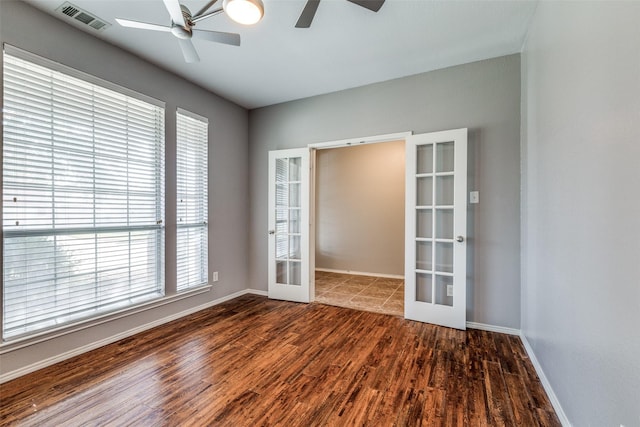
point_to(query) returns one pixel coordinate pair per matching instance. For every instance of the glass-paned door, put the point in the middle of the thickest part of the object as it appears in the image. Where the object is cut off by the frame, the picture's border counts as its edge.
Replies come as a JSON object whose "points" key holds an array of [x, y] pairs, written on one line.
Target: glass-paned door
{"points": [[289, 225], [436, 222]]}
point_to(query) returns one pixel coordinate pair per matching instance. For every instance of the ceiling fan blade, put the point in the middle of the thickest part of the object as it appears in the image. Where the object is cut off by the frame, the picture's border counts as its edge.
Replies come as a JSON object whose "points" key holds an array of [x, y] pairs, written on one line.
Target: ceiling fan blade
{"points": [[309, 11], [188, 50], [142, 25], [217, 36], [173, 6], [372, 5]]}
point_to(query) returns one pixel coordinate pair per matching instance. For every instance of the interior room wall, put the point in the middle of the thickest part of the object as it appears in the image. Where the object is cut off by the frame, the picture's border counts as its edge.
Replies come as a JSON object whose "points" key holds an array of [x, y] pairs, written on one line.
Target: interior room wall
{"points": [[29, 29], [483, 96], [360, 208], [581, 210]]}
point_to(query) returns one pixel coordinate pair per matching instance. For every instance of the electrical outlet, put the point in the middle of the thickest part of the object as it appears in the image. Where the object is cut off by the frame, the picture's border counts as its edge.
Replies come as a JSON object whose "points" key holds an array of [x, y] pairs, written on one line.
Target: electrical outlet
{"points": [[474, 197], [449, 290], [215, 276]]}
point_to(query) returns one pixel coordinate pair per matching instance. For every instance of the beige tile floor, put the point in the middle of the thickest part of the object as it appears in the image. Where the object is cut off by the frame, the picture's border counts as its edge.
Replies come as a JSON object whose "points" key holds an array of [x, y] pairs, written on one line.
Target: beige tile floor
{"points": [[367, 293]]}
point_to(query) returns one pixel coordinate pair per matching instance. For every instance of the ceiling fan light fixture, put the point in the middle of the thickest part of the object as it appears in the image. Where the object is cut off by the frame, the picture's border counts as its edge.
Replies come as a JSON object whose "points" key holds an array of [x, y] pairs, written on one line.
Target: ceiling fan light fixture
{"points": [[246, 12]]}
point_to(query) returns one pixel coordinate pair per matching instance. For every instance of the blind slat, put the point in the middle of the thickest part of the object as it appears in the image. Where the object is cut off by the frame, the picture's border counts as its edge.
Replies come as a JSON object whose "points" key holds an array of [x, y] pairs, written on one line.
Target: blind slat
{"points": [[192, 209], [83, 185]]}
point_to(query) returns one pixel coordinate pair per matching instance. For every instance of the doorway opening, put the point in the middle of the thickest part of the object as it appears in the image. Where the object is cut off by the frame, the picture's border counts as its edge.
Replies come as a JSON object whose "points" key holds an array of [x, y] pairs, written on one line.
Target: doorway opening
{"points": [[359, 211]]}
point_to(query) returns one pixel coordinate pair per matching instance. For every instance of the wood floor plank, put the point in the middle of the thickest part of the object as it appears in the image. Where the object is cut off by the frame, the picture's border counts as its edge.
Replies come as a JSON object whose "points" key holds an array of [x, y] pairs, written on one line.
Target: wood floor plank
{"points": [[522, 404], [258, 362], [497, 395]]}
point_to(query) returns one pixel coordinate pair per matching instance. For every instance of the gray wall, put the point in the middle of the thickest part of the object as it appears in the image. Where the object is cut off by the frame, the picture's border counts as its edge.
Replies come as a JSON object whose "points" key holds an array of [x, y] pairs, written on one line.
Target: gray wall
{"points": [[31, 30], [581, 210], [360, 208], [483, 96]]}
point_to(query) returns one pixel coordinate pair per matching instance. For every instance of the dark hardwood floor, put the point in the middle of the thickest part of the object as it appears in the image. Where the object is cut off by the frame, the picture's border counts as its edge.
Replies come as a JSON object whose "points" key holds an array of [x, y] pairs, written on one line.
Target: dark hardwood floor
{"points": [[254, 362]]}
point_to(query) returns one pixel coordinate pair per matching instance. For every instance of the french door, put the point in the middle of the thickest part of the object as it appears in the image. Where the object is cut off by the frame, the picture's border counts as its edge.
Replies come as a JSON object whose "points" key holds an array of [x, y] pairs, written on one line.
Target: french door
{"points": [[435, 228], [289, 225]]}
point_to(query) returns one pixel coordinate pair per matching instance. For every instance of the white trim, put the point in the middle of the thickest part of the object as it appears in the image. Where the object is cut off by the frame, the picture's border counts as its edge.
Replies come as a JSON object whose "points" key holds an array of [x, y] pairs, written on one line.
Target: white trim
{"points": [[564, 420], [8, 376], [192, 115], [360, 273], [83, 349], [89, 78], [313, 154], [493, 328], [357, 141], [28, 340], [534, 361]]}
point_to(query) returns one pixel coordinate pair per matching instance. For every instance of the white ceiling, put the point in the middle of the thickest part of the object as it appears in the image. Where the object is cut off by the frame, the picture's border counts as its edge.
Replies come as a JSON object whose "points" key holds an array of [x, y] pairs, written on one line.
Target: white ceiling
{"points": [[346, 46]]}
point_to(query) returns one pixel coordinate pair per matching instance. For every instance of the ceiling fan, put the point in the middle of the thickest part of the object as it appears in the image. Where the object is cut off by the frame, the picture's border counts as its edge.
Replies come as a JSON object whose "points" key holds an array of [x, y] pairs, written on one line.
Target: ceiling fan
{"points": [[310, 8], [246, 12]]}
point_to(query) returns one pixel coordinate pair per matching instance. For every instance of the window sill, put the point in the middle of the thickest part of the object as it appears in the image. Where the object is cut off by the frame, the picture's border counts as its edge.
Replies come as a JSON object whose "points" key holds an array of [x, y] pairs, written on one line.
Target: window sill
{"points": [[21, 342]]}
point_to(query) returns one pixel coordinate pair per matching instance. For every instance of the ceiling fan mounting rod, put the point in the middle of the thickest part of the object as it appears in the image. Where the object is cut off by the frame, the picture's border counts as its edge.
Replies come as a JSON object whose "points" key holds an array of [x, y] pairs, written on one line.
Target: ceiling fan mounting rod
{"points": [[206, 15], [205, 8]]}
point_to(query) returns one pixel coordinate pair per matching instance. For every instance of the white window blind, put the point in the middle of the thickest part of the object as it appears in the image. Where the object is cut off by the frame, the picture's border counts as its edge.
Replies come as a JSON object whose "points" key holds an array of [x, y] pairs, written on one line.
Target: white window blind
{"points": [[192, 176], [83, 198]]}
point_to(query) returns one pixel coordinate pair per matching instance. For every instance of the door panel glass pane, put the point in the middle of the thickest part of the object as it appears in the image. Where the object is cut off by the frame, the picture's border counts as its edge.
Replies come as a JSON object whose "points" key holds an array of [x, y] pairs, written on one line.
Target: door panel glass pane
{"points": [[444, 257], [425, 191], [423, 287], [294, 273], [282, 195], [294, 247], [444, 190], [294, 221], [294, 195], [424, 223], [282, 248], [281, 221], [441, 290], [444, 157], [444, 223], [281, 170], [425, 158], [423, 256], [281, 272], [294, 168]]}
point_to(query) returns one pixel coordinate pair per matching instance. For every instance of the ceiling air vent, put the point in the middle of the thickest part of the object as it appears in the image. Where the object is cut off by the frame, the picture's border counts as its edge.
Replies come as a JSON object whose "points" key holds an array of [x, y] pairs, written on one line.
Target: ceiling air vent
{"points": [[82, 16]]}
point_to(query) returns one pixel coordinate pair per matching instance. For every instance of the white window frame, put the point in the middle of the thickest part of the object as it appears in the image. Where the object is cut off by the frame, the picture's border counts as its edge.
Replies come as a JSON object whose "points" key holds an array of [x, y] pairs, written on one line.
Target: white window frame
{"points": [[192, 176], [135, 306]]}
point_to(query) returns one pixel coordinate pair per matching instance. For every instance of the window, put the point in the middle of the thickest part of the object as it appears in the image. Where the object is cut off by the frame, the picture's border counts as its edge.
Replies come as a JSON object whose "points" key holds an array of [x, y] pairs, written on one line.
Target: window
{"points": [[192, 176], [83, 196]]}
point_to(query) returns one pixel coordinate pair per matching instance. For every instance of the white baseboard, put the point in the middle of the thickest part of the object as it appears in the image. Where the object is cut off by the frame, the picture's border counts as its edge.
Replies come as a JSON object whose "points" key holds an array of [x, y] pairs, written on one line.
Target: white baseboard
{"points": [[361, 273], [8, 376], [492, 328], [83, 349], [534, 361], [545, 383]]}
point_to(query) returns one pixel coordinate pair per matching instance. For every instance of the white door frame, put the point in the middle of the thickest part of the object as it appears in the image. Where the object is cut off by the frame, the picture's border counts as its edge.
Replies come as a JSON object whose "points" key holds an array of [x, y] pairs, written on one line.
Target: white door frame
{"points": [[342, 143], [312, 192]]}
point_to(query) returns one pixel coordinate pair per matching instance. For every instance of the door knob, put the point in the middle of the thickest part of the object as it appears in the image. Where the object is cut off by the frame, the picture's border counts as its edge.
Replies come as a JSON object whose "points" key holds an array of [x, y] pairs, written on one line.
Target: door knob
{"points": [[459, 239], [272, 231]]}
